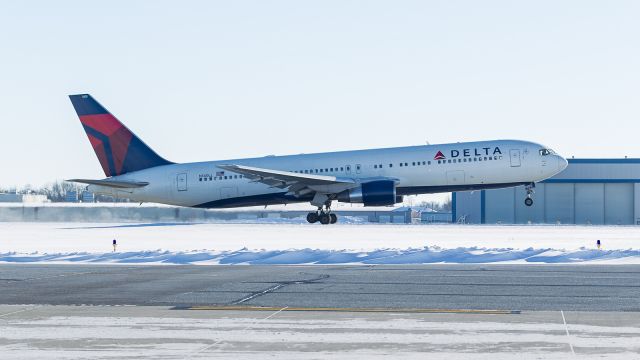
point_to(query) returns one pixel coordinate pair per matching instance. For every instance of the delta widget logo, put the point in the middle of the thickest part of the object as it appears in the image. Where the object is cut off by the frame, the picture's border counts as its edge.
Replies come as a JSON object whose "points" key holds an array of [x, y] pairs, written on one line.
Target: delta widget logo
{"points": [[439, 156]]}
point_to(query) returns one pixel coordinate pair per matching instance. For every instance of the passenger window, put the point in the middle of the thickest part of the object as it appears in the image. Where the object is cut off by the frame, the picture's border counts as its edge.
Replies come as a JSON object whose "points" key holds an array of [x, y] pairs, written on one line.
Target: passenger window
{"points": [[429, 162], [390, 165]]}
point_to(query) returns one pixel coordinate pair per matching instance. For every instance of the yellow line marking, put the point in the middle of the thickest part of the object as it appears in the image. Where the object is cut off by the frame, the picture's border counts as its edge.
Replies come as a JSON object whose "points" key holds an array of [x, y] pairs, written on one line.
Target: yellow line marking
{"points": [[363, 310]]}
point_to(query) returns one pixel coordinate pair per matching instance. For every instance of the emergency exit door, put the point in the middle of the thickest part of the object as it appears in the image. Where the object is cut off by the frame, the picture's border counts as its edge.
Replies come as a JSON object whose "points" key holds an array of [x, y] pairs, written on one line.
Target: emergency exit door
{"points": [[514, 155], [181, 181]]}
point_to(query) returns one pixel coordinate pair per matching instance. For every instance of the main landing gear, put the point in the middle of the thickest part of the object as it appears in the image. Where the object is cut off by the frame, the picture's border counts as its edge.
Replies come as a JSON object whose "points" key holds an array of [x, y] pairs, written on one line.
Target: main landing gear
{"points": [[324, 216], [528, 201]]}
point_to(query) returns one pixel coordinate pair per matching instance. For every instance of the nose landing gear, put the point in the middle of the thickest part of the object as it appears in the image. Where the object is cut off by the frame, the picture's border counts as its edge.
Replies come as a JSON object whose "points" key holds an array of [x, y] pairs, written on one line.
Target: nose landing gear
{"points": [[324, 216], [528, 201]]}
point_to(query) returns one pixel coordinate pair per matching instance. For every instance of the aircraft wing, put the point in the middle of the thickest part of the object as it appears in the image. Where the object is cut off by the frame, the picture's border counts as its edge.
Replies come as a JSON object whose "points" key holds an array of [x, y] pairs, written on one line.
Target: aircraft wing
{"points": [[294, 182], [119, 184]]}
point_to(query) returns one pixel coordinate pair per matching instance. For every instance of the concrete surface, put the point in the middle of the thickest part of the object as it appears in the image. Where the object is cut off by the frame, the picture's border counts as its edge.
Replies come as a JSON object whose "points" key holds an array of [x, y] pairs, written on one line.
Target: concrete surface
{"points": [[125, 332], [515, 287], [365, 312]]}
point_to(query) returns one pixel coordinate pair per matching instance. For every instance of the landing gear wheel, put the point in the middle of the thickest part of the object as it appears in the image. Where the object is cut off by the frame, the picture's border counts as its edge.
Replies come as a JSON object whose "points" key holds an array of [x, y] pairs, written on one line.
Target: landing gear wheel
{"points": [[325, 219], [312, 218], [334, 218], [529, 188]]}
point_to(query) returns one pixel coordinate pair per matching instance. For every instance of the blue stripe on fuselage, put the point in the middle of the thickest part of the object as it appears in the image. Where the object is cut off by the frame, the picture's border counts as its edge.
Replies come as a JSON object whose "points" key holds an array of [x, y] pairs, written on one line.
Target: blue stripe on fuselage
{"points": [[283, 198]]}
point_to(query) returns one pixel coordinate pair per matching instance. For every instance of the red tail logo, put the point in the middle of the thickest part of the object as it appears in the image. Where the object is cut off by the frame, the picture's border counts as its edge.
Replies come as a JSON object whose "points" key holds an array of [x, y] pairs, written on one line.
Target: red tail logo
{"points": [[439, 156]]}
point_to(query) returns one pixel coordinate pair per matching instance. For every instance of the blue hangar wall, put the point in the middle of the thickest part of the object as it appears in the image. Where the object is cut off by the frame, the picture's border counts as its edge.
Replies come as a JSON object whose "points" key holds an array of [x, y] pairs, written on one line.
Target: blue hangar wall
{"points": [[588, 191]]}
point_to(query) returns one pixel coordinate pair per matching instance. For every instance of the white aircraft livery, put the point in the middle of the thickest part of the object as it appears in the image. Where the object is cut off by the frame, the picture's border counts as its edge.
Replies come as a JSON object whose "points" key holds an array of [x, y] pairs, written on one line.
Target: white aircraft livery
{"points": [[375, 177]]}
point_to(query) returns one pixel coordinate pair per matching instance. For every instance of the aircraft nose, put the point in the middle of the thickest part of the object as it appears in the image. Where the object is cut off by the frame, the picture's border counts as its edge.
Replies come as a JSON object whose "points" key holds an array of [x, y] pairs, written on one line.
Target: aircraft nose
{"points": [[562, 163]]}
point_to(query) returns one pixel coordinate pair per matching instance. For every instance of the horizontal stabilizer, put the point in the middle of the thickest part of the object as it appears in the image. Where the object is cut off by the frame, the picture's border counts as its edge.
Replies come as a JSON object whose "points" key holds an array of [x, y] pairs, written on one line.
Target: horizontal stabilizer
{"points": [[119, 184]]}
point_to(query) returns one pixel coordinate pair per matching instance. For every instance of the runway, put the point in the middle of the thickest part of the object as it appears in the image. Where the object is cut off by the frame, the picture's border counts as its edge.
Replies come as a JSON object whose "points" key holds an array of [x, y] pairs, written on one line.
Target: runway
{"points": [[310, 312], [488, 287]]}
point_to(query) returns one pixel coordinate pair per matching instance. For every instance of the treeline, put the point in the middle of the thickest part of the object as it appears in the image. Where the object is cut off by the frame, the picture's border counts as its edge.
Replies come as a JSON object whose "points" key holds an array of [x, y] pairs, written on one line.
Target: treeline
{"points": [[56, 191], [438, 206]]}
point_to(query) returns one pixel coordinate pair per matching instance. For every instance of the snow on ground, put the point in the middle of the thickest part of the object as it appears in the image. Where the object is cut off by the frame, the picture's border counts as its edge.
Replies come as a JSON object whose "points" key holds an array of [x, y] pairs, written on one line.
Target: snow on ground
{"points": [[159, 333], [279, 241]]}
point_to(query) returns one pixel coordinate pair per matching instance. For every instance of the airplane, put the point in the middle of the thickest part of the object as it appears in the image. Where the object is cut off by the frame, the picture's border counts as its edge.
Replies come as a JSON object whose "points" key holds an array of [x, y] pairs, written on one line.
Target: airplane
{"points": [[374, 177]]}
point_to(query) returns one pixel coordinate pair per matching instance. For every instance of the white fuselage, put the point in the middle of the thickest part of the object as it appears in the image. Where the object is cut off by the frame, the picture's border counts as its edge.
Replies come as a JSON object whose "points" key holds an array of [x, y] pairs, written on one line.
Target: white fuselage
{"points": [[416, 169]]}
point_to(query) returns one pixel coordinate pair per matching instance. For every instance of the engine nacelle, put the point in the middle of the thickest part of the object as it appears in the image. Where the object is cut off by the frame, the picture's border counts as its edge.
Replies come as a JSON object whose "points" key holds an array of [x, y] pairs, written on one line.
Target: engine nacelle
{"points": [[374, 193]]}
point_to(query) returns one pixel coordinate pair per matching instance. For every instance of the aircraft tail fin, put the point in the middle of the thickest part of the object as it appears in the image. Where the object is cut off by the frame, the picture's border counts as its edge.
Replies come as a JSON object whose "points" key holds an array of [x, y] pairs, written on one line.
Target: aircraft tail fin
{"points": [[118, 149]]}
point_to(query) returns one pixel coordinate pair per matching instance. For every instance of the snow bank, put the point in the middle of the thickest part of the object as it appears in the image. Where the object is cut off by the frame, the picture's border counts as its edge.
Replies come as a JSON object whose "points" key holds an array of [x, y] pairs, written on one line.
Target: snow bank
{"points": [[427, 255], [299, 243]]}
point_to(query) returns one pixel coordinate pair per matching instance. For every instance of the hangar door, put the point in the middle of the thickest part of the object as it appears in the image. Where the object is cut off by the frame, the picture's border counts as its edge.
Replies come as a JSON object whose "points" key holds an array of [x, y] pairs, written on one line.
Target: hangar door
{"points": [[558, 203], [500, 206], [618, 204], [589, 203]]}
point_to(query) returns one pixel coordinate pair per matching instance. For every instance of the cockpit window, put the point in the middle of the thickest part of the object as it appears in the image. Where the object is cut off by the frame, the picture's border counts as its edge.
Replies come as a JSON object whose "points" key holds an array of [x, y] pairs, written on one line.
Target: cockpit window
{"points": [[545, 152]]}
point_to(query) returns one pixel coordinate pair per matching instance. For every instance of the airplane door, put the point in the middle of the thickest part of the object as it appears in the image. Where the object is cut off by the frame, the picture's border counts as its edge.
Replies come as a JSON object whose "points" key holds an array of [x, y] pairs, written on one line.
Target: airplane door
{"points": [[514, 156], [455, 177], [358, 168], [181, 180], [347, 169]]}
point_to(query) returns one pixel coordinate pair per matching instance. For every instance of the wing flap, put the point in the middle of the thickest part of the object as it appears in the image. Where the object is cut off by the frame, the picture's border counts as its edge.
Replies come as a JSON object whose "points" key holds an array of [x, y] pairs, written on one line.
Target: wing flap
{"points": [[284, 179]]}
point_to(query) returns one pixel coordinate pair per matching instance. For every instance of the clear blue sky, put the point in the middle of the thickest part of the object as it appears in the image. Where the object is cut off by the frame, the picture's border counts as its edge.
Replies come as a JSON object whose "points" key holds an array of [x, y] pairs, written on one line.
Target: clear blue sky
{"points": [[227, 79]]}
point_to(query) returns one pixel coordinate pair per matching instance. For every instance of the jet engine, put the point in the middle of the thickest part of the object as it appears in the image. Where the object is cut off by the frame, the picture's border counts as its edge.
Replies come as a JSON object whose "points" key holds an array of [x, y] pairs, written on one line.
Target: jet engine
{"points": [[373, 193]]}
